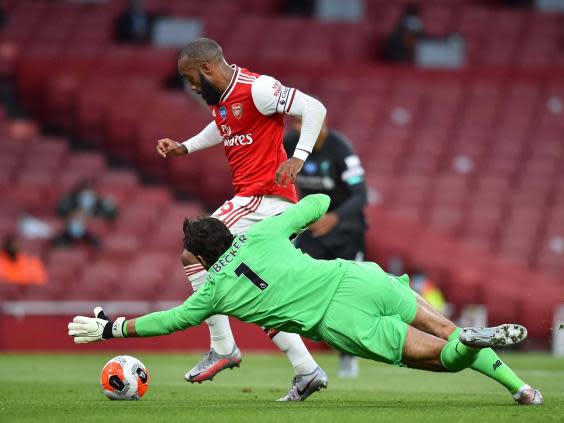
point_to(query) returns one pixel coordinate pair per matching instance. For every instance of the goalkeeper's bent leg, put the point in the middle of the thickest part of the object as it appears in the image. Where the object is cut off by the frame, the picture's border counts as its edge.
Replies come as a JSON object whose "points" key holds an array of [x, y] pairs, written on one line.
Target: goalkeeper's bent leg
{"points": [[455, 356], [488, 363], [428, 352]]}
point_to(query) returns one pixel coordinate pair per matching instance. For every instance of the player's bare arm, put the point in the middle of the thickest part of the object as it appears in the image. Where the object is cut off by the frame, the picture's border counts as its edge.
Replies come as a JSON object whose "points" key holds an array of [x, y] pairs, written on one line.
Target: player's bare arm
{"points": [[324, 225]]}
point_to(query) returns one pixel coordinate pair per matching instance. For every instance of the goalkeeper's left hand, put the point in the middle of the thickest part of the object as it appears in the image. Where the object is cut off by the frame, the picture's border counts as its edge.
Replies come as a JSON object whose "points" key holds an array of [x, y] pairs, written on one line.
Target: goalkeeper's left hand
{"points": [[97, 328]]}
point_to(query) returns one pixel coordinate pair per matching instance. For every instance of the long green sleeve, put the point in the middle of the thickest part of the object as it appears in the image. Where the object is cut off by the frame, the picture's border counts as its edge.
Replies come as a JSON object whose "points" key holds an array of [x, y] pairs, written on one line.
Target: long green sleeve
{"points": [[308, 210], [193, 312]]}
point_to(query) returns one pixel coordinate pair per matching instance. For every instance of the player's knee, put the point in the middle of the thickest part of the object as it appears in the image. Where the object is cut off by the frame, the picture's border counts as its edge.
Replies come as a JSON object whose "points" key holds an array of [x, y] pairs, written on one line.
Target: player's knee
{"points": [[187, 259]]}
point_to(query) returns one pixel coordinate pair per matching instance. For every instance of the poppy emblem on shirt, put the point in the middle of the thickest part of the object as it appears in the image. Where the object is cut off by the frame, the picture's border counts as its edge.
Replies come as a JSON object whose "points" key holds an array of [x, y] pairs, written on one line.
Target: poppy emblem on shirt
{"points": [[237, 110], [223, 112]]}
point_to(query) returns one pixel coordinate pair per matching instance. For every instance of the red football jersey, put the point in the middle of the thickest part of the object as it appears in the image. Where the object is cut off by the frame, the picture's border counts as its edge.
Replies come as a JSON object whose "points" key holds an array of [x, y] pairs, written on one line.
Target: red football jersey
{"points": [[250, 117]]}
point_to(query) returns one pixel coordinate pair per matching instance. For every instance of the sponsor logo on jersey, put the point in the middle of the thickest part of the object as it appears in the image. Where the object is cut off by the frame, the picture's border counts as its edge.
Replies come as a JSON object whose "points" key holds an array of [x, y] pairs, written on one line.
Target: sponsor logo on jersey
{"points": [[277, 87], [226, 130], [223, 112], [237, 110], [246, 139]]}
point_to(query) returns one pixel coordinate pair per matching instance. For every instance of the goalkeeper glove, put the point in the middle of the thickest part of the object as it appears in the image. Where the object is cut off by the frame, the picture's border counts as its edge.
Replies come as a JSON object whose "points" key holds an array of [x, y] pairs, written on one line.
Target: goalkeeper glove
{"points": [[97, 328]]}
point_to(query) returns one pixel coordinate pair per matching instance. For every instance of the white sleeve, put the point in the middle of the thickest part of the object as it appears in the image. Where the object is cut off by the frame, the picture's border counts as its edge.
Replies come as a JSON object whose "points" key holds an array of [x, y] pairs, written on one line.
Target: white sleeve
{"points": [[208, 137], [270, 97], [313, 114]]}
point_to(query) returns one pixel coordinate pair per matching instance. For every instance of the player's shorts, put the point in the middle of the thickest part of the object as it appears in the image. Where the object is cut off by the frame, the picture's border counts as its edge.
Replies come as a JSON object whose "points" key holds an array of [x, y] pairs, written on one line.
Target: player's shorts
{"points": [[369, 314], [240, 213]]}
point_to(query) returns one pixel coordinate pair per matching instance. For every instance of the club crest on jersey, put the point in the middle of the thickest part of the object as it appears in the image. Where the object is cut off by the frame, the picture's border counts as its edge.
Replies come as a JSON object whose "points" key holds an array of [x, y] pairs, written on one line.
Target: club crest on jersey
{"points": [[237, 110], [223, 112]]}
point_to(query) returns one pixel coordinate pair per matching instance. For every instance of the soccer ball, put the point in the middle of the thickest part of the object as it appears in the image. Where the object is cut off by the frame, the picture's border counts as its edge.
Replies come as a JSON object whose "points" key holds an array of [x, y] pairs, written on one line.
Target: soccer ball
{"points": [[124, 378]]}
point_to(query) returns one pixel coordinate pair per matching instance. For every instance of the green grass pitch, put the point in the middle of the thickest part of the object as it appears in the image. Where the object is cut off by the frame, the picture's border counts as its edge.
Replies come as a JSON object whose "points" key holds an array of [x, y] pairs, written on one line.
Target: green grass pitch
{"points": [[64, 387]]}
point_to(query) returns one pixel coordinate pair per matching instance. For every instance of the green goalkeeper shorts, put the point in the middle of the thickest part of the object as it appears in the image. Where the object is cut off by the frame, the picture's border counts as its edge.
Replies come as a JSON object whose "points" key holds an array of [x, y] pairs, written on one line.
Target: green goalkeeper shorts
{"points": [[369, 314]]}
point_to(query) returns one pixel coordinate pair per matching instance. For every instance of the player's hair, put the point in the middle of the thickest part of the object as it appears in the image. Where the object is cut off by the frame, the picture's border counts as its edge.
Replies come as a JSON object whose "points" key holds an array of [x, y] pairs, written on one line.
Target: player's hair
{"points": [[201, 50], [207, 237]]}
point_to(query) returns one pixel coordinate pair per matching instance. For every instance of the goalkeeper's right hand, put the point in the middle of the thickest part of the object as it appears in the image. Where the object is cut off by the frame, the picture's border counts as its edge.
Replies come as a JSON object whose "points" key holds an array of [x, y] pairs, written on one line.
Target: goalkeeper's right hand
{"points": [[97, 328]]}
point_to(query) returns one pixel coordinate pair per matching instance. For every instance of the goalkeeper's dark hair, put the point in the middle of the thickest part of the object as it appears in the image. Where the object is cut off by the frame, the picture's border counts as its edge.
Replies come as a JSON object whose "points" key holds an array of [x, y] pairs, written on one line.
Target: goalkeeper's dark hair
{"points": [[207, 237]]}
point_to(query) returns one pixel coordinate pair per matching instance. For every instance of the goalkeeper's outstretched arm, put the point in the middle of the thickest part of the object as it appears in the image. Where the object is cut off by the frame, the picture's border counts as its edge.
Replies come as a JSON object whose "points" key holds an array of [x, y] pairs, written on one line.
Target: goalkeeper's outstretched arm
{"points": [[297, 217], [194, 311]]}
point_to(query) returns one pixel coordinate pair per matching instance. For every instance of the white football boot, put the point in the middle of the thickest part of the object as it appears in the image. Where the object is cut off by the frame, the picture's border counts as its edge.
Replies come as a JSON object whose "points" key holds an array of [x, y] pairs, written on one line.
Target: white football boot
{"points": [[211, 364], [529, 396], [305, 385], [498, 336]]}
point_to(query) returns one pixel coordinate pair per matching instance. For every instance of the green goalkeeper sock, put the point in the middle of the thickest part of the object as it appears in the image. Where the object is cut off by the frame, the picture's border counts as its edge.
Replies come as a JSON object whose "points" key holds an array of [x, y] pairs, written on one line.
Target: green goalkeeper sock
{"points": [[488, 363], [456, 356]]}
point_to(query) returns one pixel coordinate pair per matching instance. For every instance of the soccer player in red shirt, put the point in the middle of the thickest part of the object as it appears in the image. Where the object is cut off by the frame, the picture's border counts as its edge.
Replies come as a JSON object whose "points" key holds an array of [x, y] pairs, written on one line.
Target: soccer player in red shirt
{"points": [[248, 118]]}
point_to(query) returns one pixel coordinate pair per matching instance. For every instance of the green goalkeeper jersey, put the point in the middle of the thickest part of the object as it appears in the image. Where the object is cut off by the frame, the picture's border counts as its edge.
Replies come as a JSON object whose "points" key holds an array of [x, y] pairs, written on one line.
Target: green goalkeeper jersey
{"points": [[262, 278]]}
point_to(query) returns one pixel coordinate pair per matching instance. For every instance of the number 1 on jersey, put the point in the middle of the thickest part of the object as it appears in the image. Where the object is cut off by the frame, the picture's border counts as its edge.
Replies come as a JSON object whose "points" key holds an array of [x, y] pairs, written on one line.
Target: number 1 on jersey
{"points": [[246, 271]]}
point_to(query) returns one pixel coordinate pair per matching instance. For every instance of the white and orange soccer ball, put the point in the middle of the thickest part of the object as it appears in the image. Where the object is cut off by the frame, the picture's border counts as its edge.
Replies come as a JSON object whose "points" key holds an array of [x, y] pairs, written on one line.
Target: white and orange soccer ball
{"points": [[124, 378]]}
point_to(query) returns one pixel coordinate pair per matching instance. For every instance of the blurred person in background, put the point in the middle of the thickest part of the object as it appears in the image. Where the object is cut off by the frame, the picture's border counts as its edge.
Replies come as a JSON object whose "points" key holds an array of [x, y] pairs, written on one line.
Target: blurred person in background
{"points": [[32, 227], [518, 3], [84, 198], [3, 18], [76, 232], [299, 7], [134, 24], [334, 169], [20, 268], [400, 44]]}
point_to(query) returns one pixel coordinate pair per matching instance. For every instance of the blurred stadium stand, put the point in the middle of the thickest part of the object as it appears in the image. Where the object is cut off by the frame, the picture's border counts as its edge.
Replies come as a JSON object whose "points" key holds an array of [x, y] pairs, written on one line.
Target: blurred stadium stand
{"points": [[466, 166]]}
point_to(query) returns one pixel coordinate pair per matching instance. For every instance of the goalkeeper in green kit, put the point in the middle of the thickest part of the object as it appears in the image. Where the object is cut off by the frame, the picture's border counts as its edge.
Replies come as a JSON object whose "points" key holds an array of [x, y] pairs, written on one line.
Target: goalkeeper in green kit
{"points": [[260, 277]]}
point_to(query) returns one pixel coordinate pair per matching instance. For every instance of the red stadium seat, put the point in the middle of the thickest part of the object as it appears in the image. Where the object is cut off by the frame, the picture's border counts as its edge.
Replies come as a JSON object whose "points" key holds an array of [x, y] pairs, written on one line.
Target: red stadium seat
{"points": [[120, 248], [136, 222], [119, 178], [91, 107]]}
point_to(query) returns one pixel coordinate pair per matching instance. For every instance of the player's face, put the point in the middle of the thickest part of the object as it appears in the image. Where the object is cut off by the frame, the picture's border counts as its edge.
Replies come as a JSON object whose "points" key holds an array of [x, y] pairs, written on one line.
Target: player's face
{"points": [[200, 83], [208, 91]]}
